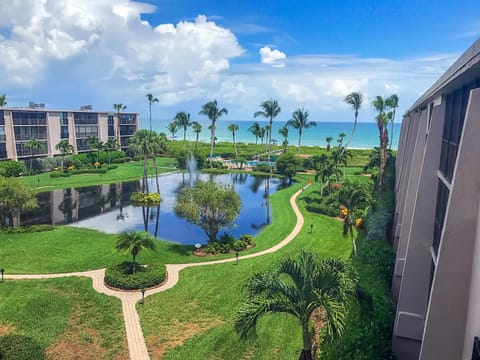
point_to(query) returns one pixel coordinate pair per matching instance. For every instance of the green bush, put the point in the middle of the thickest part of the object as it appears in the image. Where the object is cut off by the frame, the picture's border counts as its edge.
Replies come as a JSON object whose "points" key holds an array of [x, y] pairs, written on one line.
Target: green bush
{"points": [[112, 167], [376, 222], [137, 158], [218, 165], [226, 239], [118, 161], [262, 167], [58, 174], [239, 245], [322, 209], [247, 238], [88, 171], [27, 229], [120, 276], [10, 168], [20, 347]]}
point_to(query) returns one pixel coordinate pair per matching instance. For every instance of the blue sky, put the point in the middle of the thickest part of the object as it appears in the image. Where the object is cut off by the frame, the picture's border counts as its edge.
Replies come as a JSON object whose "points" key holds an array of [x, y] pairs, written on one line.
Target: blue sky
{"points": [[305, 54]]}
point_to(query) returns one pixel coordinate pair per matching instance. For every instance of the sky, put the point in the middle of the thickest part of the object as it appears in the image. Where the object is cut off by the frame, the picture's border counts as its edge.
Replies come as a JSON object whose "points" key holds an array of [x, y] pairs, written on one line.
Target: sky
{"points": [[305, 54]]}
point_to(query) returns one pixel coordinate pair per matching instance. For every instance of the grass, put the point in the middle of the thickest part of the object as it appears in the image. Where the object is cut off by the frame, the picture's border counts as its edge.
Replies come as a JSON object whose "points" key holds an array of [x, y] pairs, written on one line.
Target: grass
{"points": [[128, 171], [66, 317]]}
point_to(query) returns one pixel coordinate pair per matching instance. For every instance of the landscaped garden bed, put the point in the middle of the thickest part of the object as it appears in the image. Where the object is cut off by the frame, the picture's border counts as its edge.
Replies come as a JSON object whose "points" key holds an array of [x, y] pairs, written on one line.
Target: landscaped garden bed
{"points": [[121, 276]]}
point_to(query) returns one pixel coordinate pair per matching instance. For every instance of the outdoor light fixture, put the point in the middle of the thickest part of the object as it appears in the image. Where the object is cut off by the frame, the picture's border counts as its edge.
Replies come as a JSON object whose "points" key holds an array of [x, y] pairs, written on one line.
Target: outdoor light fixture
{"points": [[311, 228], [143, 296], [236, 257], [198, 246], [2, 270]]}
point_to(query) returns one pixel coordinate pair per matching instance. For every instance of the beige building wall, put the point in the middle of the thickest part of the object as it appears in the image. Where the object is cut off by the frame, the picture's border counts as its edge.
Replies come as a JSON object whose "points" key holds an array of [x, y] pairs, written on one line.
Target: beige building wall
{"points": [[53, 130]]}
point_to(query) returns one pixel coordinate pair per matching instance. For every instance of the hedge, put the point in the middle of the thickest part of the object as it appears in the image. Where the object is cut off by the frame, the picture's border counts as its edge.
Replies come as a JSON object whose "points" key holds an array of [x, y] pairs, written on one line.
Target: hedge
{"points": [[120, 276], [27, 229], [376, 222], [10, 168], [20, 347]]}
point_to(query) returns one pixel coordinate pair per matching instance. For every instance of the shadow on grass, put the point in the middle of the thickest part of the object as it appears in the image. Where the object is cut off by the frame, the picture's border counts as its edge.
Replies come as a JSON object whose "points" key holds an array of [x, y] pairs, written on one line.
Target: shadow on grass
{"points": [[183, 250]]}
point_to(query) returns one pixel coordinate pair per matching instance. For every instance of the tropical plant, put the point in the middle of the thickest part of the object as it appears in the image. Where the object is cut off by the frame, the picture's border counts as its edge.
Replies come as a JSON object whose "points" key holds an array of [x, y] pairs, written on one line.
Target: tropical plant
{"points": [[271, 109], [111, 145], [288, 165], [133, 242], [94, 144], [300, 121], [3, 101], [392, 102], [158, 146], [284, 132], [300, 287], [173, 128], [65, 148], [233, 128], [118, 108], [341, 136], [255, 130], [197, 129], [142, 142], [209, 205], [382, 122], [328, 139], [213, 112], [355, 100], [340, 157], [15, 197], [183, 120], [35, 147], [151, 99], [261, 134]]}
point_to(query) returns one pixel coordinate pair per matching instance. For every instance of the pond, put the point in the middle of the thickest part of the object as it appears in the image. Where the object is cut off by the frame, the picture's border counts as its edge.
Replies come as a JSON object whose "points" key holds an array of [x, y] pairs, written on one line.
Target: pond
{"points": [[107, 207]]}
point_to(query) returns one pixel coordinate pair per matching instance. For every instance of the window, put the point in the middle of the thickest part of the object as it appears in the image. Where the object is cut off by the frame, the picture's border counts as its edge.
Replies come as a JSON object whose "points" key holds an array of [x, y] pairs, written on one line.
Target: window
{"points": [[29, 118], [2, 133], [2, 119], [64, 132], [64, 118], [24, 133], [85, 118], [86, 131], [441, 208], [476, 349], [3, 151], [127, 130], [22, 151], [128, 119]]}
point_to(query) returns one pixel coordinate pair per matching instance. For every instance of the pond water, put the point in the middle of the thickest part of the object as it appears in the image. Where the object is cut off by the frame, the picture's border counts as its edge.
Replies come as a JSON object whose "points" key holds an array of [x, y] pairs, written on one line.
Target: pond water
{"points": [[107, 207]]}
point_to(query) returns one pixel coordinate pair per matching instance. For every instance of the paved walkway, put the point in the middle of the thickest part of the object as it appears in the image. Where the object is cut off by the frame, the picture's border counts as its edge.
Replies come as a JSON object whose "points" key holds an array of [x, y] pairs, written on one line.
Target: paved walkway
{"points": [[136, 342]]}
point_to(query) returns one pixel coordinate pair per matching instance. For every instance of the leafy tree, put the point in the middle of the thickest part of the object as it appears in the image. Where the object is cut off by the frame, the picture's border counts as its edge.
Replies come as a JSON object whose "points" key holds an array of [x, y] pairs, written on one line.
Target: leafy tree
{"points": [[209, 205], [233, 128], [300, 287], [340, 157], [355, 100], [341, 136], [183, 120], [392, 102], [118, 108], [142, 142], [288, 165], [213, 112], [35, 147], [261, 134], [284, 132], [94, 144], [325, 169], [151, 99], [328, 139], [300, 121], [65, 148], [197, 129], [133, 242], [15, 197], [255, 130], [271, 109], [109, 146], [3, 101], [173, 128]]}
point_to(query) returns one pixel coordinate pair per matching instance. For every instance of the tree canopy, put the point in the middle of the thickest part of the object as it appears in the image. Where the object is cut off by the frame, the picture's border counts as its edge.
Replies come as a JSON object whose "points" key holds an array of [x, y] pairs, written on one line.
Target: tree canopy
{"points": [[288, 165], [15, 197]]}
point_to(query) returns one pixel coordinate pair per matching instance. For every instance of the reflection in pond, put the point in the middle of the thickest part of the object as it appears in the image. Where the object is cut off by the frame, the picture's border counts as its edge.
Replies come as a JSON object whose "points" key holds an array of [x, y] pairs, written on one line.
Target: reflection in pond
{"points": [[108, 208]]}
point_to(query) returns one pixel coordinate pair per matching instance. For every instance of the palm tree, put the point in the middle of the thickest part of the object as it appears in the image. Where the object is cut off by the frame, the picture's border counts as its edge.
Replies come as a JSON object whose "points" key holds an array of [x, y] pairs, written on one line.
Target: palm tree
{"points": [[341, 136], [392, 102], [65, 148], [268, 128], [35, 146], [382, 121], [234, 128], [133, 242], [300, 121], [261, 134], [284, 132], [94, 144], [118, 108], [158, 146], [141, 141], [355, 100], [151, 99], [3, 101], [197, 129], [300, 287], [271, 109], [183, 120], [213, 112], [173, 128], [111, 145], [328, 139], [255, 130]]}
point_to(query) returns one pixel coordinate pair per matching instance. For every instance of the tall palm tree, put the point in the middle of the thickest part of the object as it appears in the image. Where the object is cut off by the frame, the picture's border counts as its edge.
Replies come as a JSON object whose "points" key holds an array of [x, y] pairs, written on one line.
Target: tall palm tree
{"points": [[382, 121], [271, 109], [328, 139], [284, 132], [299, 287], [392, 102], [268, 128], [173, 128], [300, 121], [157, 147], [151, 99], [183, 120], [261, 134], [118, 108], [35, 147], [213, 112], [341, 136], [355, 100], [255, 130], [141, 141], [3, 100], [233, 128], [197, 129], [133, 242], [65, 148]]}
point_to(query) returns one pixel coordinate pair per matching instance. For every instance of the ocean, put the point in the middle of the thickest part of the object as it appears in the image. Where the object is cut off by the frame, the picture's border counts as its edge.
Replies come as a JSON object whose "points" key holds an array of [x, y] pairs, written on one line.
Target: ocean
{"points": [[365, 137]]}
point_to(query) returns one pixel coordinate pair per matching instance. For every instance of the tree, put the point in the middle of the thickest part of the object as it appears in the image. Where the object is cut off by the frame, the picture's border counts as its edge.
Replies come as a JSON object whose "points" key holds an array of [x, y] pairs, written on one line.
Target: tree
{"points": [[392, 102], [65, 148], [133, 242], [15, 197], [3, 101], [234, 128], [354, 197], [382, 121], [271, 109], [151, 99], [183, 120], [288, 165], [299, 287], [197, 129], [111, 145], [94, 145], [158, 146], [355, 100], [328, 139], [118, 108], [261, 134], [341, 136], [255, 130], [300, 121], [142, 142], [209, 205], [173, 128], [213, 112], [35, 147], [325, 168], [284, 132]]}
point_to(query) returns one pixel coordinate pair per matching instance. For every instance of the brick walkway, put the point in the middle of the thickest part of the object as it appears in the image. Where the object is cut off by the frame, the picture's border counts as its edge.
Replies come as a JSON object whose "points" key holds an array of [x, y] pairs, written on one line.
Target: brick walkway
{"points": [[136, 342]]}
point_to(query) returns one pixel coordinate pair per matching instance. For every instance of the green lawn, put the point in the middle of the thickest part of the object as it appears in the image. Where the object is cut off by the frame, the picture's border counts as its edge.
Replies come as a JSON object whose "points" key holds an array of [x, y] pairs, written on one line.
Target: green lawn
{"points": [[66, 317], [128, 171]]}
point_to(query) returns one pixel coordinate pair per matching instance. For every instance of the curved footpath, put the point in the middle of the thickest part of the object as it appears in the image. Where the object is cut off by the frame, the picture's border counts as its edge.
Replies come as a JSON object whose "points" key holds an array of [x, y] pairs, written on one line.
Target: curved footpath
{"points": [[136, 341]]}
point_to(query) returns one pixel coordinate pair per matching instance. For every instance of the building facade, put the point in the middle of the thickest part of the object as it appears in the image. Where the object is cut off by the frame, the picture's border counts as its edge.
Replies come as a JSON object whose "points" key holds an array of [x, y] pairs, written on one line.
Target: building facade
{"points": [[436, 282], [19, 125]]}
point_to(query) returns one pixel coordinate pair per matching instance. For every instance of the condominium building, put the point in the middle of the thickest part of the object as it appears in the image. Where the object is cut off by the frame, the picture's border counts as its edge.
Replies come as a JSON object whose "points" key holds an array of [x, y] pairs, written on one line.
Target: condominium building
{"points": [[436, 282], [19, 125]]}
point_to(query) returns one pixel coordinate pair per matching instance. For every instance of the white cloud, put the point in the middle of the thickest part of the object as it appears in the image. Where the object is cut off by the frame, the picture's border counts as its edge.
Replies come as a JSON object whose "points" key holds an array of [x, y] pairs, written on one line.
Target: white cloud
{"points": [[272, 57]]}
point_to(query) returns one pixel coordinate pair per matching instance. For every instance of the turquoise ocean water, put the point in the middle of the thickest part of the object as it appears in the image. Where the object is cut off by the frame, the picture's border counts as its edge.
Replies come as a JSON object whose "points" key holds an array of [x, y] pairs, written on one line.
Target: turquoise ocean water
{"points": [[365, 137]]}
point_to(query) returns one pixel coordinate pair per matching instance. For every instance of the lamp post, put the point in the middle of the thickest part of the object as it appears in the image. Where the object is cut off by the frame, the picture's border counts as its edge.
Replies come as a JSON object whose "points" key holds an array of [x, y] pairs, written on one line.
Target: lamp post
{"points": [[236, 257], [311, 228], [143, 296], [198, 246], [2, 270]]}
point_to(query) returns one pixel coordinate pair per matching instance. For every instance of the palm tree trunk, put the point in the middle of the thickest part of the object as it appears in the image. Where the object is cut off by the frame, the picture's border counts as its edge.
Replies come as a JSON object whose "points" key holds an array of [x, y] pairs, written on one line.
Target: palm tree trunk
{"points": [[184, 133], [212, 139], [393, 120], [345, 224], [157, 218], [134, 268], [196, 140], [306, 353], [156, 173], [235, 145], [269, 142], [150, 116], [354, 245], [299, 139], [63, 160], [145, 174], [383, 160]]}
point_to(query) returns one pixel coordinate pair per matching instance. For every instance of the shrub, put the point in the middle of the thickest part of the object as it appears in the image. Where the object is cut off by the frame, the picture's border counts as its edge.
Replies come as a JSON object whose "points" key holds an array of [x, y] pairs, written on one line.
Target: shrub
{"points": [[58, 174], [376, 222], [111, 167], [27, 229], [10, 168], [239, 245], [247, 238], [322, 209], [88, 171], [137, 158], [226, 239], [218, 165], [145, 199], [120, 276], [262, 167], [20, 347], [128, 159], [118, 161]]}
